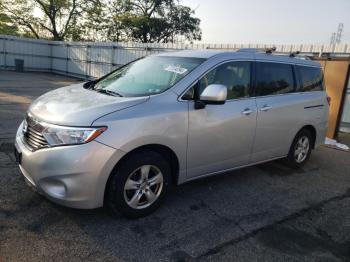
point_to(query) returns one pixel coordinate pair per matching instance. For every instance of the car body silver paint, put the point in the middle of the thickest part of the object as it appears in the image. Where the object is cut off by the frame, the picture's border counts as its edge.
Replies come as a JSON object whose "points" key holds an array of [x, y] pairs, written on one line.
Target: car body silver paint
{"points": [[73, 176], [159, 121], [214, 93], [77, 106], [220, 137], [215, 139]]}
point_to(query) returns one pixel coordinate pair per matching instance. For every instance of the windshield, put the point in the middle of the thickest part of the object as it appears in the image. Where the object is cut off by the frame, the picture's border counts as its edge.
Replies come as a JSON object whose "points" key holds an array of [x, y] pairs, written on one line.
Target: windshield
{"points": [[147, 76]]}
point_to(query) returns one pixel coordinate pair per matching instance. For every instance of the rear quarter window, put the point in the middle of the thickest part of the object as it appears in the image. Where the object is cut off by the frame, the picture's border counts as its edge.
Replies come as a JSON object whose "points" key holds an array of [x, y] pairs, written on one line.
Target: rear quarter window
{"points": [[311, 78]]}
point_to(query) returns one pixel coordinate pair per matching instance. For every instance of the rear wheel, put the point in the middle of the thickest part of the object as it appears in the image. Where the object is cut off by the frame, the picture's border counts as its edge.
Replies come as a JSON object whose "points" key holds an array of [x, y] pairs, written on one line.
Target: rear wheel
{"points": [[300, 149], [139, 184]]}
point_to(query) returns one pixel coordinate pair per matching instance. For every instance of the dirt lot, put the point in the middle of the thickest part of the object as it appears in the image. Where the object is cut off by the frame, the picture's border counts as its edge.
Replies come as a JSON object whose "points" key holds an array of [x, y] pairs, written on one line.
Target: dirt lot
{"points": [[262, 213]]}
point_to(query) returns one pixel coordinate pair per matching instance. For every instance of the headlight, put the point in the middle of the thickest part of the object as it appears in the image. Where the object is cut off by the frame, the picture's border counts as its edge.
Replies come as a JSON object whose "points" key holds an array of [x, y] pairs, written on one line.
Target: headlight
{"points": [[60, 135]]}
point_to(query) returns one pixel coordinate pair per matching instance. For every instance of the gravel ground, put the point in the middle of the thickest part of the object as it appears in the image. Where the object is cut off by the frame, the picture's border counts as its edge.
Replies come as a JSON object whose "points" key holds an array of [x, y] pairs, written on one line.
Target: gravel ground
{"points": [[263, 213]]}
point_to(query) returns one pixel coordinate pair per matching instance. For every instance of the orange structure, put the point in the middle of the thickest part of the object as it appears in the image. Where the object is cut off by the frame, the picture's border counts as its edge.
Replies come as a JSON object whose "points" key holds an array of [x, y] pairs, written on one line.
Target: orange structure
{"points": [[336, 74]]}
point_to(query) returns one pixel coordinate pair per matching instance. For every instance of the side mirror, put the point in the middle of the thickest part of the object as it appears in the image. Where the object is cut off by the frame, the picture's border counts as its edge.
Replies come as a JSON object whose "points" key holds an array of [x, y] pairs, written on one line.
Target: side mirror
{"points": [[89, 84], [214, 94]]}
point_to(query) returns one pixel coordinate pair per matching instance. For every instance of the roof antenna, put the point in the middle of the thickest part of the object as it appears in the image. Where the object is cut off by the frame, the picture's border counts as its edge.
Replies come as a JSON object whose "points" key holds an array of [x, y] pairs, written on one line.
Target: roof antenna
{"points": [[270, 50], [293, 54]]}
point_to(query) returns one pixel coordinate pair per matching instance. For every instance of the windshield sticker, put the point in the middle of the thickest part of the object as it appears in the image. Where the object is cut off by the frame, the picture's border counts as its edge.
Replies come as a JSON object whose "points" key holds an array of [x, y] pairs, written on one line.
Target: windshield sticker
{"points": [[151, 90], [176, 69]]}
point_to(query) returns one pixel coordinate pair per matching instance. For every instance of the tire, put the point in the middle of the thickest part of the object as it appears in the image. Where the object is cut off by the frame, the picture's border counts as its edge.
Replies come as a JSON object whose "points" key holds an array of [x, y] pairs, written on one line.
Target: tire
{"points": [[300, 149], [138, 186]]}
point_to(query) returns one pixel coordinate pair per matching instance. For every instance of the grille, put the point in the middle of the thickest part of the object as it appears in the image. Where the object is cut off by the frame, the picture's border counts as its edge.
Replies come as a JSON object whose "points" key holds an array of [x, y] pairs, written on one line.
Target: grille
{"points": [[32, 134]]}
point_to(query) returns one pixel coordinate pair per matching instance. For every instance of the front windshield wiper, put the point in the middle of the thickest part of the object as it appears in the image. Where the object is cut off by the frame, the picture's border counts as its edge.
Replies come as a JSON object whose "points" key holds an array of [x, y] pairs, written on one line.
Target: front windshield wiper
{"points": [[108, 92]]}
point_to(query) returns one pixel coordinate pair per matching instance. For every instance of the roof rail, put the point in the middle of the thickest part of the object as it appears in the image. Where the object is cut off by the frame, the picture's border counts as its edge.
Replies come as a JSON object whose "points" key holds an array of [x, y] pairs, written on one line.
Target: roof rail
{"points": [[297, 55], [272, 50], [248, 50], [293, 54], [258, 50]]}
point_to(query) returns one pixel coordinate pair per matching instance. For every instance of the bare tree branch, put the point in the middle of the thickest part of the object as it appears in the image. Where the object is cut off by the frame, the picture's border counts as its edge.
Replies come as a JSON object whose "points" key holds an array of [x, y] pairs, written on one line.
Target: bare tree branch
{"points": [[69, 18], [20, 20]]}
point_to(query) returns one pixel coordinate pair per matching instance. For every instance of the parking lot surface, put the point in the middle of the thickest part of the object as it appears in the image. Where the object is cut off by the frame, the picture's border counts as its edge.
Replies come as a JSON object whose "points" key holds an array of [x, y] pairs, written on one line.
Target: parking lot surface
{"points": [[263, 213]]}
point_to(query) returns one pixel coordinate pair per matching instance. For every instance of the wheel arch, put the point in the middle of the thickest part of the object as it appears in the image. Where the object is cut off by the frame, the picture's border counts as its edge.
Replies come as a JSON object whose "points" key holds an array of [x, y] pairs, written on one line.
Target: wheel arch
{"points": [[163, 150], [313, 132]]}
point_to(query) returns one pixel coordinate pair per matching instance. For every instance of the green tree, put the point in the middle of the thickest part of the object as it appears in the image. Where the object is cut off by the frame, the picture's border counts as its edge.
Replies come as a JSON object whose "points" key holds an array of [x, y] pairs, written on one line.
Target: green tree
{"points": [[52, 19], [148, 21], [102, 23], [145, 21], [6, 25], [159, 21]]}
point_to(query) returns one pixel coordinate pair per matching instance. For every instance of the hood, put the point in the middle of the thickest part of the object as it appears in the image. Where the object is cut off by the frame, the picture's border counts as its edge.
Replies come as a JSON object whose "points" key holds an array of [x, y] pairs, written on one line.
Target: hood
{"points": [[76, 106]]}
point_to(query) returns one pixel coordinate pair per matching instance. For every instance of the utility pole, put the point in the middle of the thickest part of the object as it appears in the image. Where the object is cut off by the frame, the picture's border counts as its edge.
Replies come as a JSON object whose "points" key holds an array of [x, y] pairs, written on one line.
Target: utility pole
{"points": [[333, 38], [339, 33], [336, 37]]}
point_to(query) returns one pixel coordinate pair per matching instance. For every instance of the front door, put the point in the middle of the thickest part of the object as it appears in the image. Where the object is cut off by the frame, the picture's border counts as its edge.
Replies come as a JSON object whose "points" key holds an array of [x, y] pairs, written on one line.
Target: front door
{"points": [[220, 137]]}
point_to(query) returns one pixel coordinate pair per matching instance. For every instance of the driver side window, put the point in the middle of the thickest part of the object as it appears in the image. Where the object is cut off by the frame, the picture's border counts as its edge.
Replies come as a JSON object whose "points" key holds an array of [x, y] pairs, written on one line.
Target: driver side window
{"points": [[234, 75]]}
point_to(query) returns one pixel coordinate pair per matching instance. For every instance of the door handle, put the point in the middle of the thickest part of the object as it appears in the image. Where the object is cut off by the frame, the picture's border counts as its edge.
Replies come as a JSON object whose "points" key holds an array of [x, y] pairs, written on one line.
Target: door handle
{"points": [[247, 111], [265, 108]]}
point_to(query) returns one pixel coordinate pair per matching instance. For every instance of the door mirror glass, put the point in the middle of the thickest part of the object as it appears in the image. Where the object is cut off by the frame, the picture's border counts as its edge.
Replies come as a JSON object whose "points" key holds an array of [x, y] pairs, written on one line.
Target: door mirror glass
{"points": [[214, 94]]}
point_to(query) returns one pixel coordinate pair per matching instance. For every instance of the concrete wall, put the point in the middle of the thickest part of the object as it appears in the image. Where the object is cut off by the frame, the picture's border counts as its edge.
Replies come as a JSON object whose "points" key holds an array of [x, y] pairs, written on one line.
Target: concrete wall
{"points": [[90, 59]]}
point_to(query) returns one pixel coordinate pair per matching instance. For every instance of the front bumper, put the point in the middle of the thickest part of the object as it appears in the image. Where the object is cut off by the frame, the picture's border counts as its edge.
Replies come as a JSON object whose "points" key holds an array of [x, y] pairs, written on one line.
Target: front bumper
{"points": [[73, 176]]}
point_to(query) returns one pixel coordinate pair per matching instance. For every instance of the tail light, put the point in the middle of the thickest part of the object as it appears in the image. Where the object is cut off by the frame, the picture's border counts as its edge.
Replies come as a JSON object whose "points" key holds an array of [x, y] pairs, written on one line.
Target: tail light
{"points": [[329, 100]]}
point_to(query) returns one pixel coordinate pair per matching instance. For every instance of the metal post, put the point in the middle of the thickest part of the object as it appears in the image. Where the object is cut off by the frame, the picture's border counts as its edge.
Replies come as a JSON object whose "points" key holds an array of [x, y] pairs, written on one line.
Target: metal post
{"points": [[87, 62], [321, 51], [5, 51], [113, 55], [51, 56], [67, 58]]}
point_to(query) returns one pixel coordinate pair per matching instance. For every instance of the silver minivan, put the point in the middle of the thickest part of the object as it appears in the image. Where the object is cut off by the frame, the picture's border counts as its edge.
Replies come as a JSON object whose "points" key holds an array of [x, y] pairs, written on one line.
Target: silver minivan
{"points": [[124, 139]]}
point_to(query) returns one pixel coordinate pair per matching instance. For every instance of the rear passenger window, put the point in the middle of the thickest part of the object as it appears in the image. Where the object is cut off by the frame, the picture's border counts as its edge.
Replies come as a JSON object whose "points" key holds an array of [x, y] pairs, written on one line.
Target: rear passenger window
{"points": [[273, 79], [311, 78]]}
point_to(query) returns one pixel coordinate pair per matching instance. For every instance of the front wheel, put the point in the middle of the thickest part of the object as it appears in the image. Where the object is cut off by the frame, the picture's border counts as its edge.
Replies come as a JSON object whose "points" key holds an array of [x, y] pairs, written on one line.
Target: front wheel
{"points": [[139, 184], [300, 149]]}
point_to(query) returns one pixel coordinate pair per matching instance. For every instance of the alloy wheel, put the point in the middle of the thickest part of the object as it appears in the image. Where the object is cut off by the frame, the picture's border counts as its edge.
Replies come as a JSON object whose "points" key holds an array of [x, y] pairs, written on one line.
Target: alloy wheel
{"points": [[143, 186], [302, 148]]}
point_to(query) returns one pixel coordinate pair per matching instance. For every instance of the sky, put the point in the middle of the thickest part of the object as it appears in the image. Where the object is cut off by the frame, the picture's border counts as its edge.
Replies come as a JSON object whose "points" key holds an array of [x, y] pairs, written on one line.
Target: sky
{"points": [[271, 21]]}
